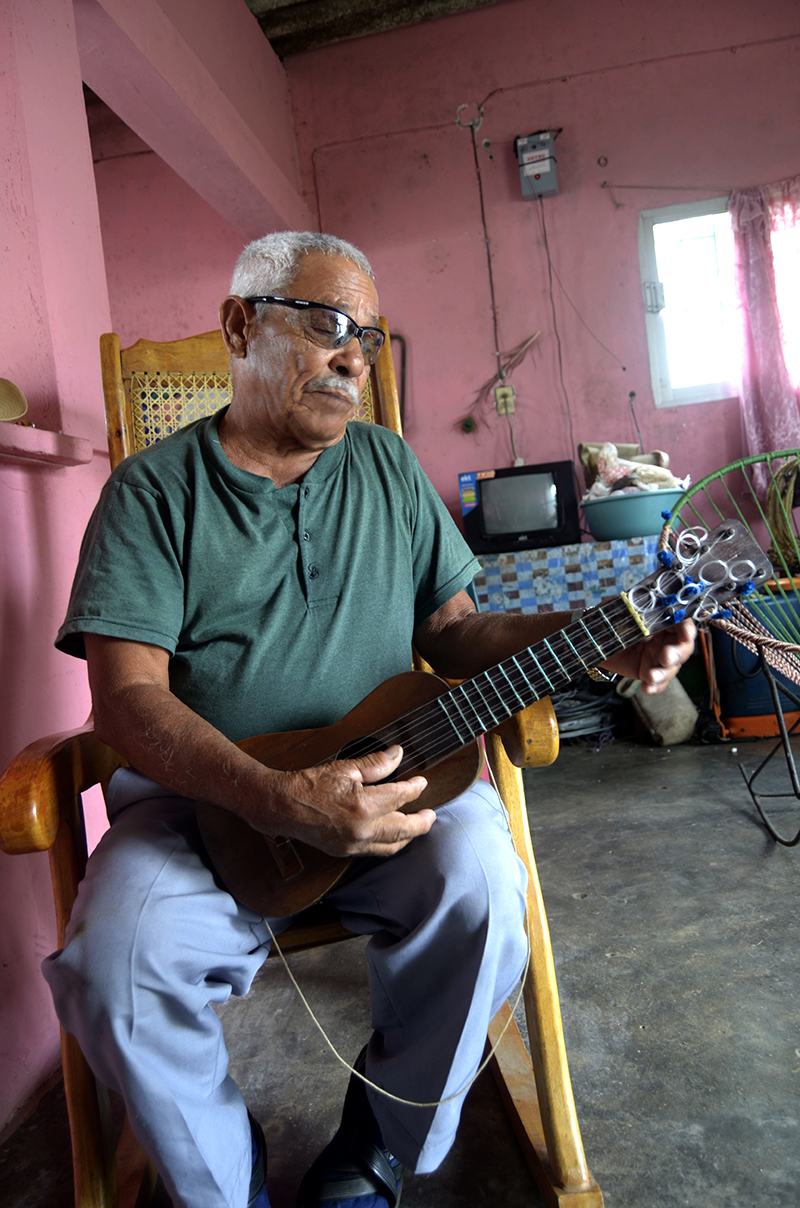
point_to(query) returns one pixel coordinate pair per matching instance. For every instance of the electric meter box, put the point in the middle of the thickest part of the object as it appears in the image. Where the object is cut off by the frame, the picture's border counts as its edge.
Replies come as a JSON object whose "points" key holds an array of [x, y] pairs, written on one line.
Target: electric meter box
{"points": [[538, 173]]}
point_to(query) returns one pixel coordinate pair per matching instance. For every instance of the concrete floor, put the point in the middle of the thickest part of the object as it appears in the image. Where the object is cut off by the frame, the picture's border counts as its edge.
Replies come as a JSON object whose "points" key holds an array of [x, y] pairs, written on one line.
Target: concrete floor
{"points": [[673, 917]]}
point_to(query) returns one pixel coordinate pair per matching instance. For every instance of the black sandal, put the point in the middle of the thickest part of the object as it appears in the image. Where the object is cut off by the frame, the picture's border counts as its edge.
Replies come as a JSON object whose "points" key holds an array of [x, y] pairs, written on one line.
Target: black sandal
{"points": [[258, 1177], [353, 1163]]}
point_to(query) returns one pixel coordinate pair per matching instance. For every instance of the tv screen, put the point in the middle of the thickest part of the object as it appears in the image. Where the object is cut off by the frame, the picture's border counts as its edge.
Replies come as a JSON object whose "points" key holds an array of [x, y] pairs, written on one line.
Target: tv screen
{"points": [[519, 507], [512, 504]]}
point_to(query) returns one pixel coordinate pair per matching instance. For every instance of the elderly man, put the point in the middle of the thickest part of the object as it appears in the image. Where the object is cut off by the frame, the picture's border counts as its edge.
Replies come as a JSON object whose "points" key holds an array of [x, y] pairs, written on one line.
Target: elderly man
{"points": [[261, 571]]}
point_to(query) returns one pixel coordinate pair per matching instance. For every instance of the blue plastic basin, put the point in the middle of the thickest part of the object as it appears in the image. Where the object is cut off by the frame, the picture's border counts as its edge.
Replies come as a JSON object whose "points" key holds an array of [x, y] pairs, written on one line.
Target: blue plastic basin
{"points": [[636, 515]]}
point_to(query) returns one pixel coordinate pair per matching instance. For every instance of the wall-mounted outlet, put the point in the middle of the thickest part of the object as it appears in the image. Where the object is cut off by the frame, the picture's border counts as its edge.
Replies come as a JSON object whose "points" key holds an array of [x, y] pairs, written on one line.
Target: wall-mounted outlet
{"points": [[504, 398]]}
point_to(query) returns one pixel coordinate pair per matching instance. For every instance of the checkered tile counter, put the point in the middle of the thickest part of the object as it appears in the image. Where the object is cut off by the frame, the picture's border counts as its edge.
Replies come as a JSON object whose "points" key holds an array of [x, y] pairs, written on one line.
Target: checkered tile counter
{"points": [[564, 578]]}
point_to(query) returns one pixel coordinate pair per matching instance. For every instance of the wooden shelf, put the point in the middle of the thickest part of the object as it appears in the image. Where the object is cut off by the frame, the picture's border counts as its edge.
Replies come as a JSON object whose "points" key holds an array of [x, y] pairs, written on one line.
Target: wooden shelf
{"points": [[21, 443]]}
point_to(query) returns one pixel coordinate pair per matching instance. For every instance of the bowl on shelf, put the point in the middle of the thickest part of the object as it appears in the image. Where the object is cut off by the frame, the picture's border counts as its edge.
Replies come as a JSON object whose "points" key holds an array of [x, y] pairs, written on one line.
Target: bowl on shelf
{"points": [[637, 514]]}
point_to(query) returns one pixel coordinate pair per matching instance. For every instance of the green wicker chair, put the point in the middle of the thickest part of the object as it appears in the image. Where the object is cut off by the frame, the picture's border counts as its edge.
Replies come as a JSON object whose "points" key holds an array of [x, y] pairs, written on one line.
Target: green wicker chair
{"points": [[762, 491]]}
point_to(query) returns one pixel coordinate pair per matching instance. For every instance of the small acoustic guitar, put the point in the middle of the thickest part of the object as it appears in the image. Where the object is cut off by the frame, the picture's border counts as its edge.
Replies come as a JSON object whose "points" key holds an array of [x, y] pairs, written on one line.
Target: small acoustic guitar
{"points": [[438, 726]]}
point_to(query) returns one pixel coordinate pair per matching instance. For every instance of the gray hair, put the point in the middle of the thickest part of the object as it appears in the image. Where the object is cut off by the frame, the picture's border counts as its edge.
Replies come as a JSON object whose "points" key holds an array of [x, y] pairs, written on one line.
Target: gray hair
{"points": [[268, 265]]}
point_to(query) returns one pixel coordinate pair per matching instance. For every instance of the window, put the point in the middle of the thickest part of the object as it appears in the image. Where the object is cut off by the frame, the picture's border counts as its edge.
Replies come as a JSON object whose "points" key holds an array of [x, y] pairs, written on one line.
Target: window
{"points": [[686, 257]]}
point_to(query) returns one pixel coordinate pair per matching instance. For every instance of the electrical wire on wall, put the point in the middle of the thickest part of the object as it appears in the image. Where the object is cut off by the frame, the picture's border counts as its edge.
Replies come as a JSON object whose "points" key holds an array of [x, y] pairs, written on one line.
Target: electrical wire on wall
{"points": [[484, 400], [551, 273], [506, 363], [556, 332]]}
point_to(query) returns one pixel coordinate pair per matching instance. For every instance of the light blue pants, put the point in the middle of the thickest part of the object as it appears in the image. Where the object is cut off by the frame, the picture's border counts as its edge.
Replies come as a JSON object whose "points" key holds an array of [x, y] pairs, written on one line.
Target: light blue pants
{"points": [[154, 940]]}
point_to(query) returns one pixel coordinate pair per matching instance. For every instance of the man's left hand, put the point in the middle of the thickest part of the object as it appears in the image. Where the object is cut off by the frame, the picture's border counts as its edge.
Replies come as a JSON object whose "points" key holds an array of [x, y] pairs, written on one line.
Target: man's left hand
{"points": [[656, 660]]}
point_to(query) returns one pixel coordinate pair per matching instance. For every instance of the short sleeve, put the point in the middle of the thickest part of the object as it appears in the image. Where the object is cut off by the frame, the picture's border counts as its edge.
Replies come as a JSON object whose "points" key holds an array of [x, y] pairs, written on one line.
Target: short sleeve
{"points": [[443, 562], [129, 582]]}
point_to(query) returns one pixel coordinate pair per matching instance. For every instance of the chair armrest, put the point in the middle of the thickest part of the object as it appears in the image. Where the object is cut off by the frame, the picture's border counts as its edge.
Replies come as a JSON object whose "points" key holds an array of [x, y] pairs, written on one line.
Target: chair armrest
{"points": [[530, 738], [49, 771]]}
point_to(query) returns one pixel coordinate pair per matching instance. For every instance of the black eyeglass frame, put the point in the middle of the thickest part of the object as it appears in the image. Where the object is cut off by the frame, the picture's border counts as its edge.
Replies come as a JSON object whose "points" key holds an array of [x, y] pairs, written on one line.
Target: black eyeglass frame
{"points": [[352, 330]]}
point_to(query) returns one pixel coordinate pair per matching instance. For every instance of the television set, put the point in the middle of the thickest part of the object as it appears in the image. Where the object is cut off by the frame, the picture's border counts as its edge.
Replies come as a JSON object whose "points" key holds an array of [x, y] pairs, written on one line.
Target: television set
{"points": [[519, 507]]}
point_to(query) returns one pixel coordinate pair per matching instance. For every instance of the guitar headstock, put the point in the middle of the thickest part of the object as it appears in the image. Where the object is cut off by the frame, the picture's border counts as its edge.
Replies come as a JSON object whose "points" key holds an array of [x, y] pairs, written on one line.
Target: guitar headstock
{"points": [[699, 575]]}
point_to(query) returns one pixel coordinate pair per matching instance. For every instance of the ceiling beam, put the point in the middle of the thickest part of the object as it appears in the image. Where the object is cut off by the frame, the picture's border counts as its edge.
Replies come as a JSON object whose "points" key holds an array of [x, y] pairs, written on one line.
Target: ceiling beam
{"points": [[135, 59]]}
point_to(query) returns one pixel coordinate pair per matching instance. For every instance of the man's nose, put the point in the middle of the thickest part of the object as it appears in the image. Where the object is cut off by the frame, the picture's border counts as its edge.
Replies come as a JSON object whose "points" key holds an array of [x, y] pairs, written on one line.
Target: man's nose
{"points": [[349, 360]]}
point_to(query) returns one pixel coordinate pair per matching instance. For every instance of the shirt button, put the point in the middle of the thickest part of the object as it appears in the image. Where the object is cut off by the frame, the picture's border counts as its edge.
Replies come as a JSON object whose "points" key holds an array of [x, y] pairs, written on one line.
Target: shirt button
{"points": [[306, 537], [312, 571], [305, 492]]}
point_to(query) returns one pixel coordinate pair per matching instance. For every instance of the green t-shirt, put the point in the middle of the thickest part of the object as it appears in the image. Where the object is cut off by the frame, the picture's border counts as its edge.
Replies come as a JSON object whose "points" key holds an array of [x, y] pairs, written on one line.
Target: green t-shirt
{"points": [[281, 609]]}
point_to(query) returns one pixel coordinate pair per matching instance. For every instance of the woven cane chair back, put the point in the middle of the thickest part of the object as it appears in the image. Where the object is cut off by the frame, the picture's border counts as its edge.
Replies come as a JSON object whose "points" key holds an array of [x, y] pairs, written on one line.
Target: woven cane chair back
{"points": [[153, 389]]}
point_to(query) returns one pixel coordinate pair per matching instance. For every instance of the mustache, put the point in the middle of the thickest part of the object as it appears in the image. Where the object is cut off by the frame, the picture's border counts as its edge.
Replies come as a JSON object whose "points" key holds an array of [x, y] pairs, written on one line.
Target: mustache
{"points": [[336, 384]]}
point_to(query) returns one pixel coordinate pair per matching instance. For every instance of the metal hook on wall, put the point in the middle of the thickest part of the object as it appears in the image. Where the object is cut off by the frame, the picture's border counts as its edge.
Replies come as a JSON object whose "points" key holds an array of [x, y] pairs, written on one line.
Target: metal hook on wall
{"points": [[472, 123]]}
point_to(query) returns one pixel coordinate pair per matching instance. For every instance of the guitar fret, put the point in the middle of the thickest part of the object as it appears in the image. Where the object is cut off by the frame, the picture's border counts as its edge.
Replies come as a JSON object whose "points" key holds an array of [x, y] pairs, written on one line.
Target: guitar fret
{"points": [[542, 671], [442, 704], [520, 699], [477, 688], [462, 691], [507, 706], [593, 639], [555, 656], [527, 682], [535, 674], [603, 617], [574, 650]]}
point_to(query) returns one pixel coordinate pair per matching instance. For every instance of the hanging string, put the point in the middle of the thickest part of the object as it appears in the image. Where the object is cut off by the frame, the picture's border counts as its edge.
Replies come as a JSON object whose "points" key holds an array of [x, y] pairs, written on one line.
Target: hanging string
{"points": [[367, 1081]]}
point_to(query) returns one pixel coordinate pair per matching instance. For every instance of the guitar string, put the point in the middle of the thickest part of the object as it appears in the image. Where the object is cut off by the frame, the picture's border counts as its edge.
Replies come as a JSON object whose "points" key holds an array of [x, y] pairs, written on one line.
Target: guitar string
{"points": [[493, 1049], [444, 726], [436, 741]]}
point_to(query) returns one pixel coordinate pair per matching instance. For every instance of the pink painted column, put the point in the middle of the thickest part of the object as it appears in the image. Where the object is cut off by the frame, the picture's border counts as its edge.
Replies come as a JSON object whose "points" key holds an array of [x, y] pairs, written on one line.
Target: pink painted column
{"points": [[53, 307]]}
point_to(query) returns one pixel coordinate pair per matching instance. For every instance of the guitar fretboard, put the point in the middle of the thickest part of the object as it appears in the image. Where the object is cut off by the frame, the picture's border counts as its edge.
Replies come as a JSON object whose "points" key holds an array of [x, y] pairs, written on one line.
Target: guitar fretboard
{"points": [[432, 732]]}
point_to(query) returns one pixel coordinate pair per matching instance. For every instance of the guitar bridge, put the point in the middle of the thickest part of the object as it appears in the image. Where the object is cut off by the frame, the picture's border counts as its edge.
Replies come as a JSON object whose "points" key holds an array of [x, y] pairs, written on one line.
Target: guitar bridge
{"points": [[285, 855]]}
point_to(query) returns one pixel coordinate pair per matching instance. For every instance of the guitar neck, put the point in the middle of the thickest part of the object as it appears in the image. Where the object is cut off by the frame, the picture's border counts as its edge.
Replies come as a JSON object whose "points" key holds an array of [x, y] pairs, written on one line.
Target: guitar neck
{"points": [[496, 694], [431, 733]]}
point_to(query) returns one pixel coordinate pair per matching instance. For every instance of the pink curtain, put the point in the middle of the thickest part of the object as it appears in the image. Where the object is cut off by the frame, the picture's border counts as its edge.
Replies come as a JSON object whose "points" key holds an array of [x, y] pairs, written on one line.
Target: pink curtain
{"points": [[770, 402]]}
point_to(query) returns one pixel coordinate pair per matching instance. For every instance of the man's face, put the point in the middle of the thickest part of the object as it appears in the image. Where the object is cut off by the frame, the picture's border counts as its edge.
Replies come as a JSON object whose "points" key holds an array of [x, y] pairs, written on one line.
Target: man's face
{"points": [[305, 393]]}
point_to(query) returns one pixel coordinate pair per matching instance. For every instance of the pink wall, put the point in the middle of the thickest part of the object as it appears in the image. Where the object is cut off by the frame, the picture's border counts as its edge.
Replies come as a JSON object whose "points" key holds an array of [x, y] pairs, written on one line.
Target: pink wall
{"points": [[169, 255], [52, 303], [217, 92], [167, 68], [672, 95]]}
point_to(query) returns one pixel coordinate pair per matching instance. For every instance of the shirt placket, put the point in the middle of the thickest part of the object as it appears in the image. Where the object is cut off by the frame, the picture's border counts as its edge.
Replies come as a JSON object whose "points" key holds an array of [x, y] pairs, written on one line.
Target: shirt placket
{"points": [[312, 572]]}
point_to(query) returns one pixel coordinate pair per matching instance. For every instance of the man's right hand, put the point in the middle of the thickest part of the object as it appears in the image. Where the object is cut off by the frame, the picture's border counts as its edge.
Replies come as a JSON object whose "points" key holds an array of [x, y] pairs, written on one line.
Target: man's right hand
{"points": [[342, 809]]}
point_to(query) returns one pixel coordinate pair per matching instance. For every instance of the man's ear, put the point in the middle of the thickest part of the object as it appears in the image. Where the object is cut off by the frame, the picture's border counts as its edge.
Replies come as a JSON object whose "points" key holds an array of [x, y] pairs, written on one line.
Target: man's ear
{"points": [[236, 317]]}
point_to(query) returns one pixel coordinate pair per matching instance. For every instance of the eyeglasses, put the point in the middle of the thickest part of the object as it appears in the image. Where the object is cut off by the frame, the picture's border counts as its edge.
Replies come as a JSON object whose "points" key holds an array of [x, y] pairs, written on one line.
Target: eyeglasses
{"points": [[330, 328]]}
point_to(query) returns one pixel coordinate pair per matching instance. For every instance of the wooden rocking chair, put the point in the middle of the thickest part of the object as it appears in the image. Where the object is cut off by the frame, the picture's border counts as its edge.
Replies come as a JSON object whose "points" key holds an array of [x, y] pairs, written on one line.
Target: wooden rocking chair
{"points": [[151, 390]]}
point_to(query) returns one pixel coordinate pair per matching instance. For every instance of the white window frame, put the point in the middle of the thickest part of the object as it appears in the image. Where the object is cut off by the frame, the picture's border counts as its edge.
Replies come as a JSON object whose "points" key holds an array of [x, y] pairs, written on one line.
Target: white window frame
{"points": [[664, 393]]}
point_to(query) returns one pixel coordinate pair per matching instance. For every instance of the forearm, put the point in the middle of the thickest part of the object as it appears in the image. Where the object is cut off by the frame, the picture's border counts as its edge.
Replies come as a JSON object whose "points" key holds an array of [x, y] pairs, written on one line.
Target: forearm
{"points": [[476, 641], [344, 807], [460, 643], [166, 741]]}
